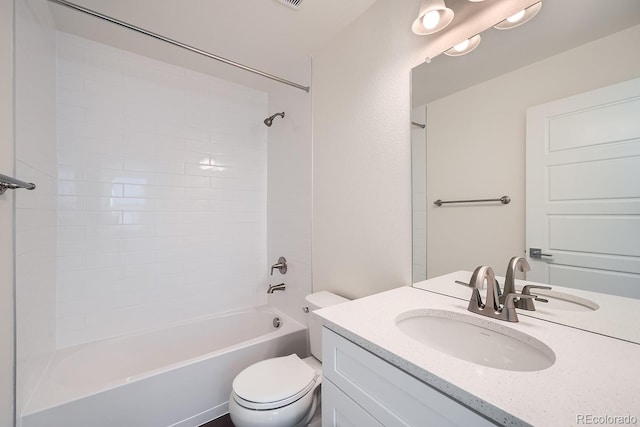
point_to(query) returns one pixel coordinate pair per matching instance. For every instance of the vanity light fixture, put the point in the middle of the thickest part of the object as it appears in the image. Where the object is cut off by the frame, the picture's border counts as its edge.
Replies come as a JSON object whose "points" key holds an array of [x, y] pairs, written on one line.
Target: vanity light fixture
{"points": [[464, 47], [434, 16], [519, 18]]}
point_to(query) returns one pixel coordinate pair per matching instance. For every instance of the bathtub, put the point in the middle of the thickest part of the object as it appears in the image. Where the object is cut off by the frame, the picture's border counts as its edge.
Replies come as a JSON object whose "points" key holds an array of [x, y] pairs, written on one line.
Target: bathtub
{"points": [[176, 376]]}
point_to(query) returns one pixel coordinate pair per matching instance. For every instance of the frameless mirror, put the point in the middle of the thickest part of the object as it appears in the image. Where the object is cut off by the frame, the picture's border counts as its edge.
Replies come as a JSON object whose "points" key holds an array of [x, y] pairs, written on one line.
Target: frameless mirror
{"points": [[473, 147]]}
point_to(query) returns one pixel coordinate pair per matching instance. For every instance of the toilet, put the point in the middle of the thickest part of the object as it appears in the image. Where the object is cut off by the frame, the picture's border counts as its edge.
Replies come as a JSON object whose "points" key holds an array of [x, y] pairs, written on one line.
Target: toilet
{"points": [[283, 391]]}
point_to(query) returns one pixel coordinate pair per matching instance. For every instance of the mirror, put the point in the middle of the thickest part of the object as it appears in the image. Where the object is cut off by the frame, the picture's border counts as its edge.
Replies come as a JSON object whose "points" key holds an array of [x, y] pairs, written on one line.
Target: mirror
{"points": [[473, 146]]}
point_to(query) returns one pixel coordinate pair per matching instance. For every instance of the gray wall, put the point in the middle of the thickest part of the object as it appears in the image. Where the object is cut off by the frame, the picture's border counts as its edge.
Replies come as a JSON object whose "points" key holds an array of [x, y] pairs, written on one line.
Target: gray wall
{"points": [[6, 216]]}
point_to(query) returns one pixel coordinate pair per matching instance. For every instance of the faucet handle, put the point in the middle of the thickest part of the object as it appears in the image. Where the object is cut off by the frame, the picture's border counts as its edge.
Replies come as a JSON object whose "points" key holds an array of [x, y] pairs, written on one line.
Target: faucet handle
{"points": [[526, 288], [509, 309], [469, 285], [281, 265], [527, 304]]}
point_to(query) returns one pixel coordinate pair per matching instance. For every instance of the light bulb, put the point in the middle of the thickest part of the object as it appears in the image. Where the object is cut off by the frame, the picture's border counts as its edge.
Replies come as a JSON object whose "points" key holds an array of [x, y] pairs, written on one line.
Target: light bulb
{"points": [[460, 47], [516, 17], [431, 19]]}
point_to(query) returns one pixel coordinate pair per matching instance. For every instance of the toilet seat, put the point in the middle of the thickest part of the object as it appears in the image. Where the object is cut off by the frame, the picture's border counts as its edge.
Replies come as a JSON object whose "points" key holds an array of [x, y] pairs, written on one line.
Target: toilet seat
{"points": [[274, 383]]}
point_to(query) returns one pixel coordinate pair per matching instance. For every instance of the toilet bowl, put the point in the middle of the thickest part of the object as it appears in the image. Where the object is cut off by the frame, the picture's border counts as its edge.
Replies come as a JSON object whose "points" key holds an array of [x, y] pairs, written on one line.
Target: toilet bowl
{"points": [[283, 391]]}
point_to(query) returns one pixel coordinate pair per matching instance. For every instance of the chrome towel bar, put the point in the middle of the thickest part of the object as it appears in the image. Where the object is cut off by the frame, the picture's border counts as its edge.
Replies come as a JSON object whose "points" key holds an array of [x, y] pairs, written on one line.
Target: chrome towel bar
{"points": [[505, 200], [8, 183]]}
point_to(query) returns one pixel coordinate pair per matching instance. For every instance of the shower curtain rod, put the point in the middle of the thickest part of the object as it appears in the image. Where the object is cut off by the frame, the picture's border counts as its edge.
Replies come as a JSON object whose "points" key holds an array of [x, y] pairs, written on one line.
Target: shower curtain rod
{"points": [[177, 43]]}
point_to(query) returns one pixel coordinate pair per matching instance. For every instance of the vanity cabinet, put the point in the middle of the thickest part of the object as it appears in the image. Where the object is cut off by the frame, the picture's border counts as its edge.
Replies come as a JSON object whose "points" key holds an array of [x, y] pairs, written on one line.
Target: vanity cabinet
{"points": [[359, 389]]}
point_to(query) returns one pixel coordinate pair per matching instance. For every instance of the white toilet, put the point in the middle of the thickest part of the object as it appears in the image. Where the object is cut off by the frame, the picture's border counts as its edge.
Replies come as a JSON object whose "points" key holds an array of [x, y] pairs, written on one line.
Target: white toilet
{"points": [[283, 391]]}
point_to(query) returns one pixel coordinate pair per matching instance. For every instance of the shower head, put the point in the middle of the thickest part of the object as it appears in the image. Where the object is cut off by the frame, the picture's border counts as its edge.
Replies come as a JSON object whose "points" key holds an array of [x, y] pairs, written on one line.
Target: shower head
{"points": [[269, 120]]}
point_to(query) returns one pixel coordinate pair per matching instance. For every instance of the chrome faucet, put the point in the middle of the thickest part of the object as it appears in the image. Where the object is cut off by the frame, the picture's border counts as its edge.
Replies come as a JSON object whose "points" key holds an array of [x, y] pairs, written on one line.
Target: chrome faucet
{"points": [[510, 284], [273, 288], [492, 308], [510, 278]]}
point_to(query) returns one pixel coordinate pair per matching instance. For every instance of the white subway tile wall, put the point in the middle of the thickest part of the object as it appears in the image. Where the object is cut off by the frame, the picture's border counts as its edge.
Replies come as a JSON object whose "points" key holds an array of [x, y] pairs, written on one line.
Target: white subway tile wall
{"points": [[162, 185], [289, 205]]}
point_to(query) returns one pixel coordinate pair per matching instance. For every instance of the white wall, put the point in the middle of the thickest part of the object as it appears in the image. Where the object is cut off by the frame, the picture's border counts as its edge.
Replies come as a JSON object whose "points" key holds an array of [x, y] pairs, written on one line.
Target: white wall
{"points": [[162, 193], [6, 217], [35, 154], [361, 153], [485, 157], [289, 204]]}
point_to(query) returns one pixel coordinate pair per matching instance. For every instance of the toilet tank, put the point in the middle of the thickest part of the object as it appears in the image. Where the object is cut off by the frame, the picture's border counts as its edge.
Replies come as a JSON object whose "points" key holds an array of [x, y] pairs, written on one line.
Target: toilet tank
{"points": [[316, 301]]}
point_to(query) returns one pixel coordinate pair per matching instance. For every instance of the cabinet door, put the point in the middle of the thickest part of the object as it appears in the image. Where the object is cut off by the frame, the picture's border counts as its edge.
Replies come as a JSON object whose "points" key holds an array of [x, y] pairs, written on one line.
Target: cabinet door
{"points": [[390, 395], [338, 410]]}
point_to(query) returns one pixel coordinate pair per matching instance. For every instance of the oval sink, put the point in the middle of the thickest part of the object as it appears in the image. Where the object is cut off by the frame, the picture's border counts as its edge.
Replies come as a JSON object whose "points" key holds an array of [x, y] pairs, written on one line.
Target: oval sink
{"points": [[476, 340]]}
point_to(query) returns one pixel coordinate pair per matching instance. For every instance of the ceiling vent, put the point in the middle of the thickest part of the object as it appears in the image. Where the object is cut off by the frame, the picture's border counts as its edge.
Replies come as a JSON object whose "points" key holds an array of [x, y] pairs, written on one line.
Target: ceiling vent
{"points": [[293, 4]]}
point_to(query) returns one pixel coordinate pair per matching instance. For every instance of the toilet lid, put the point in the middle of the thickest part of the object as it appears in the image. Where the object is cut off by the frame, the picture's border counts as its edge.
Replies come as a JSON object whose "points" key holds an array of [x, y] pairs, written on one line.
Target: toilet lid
{"points": [[274, 380]]}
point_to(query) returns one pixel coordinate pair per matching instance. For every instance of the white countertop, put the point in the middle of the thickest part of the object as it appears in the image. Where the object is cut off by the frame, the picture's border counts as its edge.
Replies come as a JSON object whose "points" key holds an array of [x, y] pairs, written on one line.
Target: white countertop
{"points": [[616, 316], [592, 375]]}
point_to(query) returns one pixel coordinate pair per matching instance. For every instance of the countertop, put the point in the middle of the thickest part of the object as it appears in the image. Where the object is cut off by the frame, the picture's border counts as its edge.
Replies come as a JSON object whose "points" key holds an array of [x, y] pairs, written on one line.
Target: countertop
{"points": [[592, 374]]}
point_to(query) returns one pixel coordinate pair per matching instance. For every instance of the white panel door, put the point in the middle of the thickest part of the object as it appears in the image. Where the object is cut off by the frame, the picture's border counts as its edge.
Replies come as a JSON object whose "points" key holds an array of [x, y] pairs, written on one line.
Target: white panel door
{"points": [[583, 190]]}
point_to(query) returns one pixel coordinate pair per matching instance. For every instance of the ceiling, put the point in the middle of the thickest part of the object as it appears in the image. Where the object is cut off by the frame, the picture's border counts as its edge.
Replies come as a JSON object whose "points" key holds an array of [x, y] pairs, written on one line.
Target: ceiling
{"points": [[279, 40], [263, 34], [561, 25]]}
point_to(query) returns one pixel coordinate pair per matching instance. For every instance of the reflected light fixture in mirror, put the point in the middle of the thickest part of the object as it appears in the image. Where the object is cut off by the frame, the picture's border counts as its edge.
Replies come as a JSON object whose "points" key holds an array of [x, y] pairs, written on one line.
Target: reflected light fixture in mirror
{"points": [[519, 18], [434, 15], [471, 19], [464, 47]]}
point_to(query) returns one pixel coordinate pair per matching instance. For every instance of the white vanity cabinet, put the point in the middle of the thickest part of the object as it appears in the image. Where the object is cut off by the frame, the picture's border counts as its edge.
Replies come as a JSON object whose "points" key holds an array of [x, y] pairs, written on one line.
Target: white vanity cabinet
{"points": [[361, 389]]}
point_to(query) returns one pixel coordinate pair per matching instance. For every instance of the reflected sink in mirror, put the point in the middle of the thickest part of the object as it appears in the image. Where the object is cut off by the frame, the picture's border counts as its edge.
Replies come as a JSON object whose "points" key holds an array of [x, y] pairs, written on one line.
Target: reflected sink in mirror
{"points": [[605, 314], [476, 340], [564, 301]]}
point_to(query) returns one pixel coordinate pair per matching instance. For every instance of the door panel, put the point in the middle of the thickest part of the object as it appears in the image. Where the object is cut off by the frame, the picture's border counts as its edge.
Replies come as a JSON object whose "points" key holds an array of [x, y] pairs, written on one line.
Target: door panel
{"points": [[583, 190]]}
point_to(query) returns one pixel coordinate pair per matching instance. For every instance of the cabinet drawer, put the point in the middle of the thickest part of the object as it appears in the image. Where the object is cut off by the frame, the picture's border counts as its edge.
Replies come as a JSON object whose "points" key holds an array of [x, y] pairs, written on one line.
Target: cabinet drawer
{"points": [[338, 410], [390, 395]]}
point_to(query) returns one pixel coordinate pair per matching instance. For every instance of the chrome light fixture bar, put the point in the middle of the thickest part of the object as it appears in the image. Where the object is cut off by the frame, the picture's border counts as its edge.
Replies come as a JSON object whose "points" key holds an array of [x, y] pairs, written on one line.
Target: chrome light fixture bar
{"points": [[519, 18], [434, 15]]}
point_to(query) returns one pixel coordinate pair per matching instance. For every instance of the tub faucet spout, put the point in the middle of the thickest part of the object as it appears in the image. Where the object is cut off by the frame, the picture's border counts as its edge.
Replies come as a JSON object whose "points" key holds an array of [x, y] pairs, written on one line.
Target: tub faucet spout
{"points": [[273, 288]]}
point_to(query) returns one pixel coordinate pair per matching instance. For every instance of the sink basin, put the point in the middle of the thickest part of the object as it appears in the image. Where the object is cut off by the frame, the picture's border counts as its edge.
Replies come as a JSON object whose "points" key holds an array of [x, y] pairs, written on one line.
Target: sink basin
{"points": [[476, 340]]}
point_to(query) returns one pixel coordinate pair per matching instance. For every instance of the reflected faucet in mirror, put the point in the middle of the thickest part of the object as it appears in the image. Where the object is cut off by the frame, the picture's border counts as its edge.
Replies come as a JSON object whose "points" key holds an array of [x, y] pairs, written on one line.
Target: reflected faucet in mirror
{"points": [[523, 266]]}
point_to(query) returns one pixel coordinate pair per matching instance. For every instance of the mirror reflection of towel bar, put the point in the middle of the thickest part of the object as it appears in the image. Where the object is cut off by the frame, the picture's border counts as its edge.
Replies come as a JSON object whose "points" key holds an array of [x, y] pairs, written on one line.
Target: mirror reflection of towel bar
{"points": [[504, 200], [8, 183]]}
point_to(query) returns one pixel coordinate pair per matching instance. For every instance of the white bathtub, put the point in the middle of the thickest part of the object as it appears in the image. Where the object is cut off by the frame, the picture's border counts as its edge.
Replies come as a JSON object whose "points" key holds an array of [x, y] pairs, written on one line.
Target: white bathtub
{"points": [[177, 376]]}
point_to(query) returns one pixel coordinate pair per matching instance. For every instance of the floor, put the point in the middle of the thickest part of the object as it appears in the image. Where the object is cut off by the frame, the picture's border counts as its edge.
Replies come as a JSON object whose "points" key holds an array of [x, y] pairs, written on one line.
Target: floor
{"points": [[224, 421]]}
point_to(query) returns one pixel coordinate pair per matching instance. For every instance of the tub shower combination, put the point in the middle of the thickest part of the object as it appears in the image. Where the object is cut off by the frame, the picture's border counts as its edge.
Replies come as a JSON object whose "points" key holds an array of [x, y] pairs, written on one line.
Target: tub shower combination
{"points": [[177, 376]]}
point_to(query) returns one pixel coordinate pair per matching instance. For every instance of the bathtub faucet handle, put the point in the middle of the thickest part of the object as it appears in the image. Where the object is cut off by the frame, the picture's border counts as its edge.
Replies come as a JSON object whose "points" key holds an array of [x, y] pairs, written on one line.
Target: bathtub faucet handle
{"points": [[281, 265]]}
